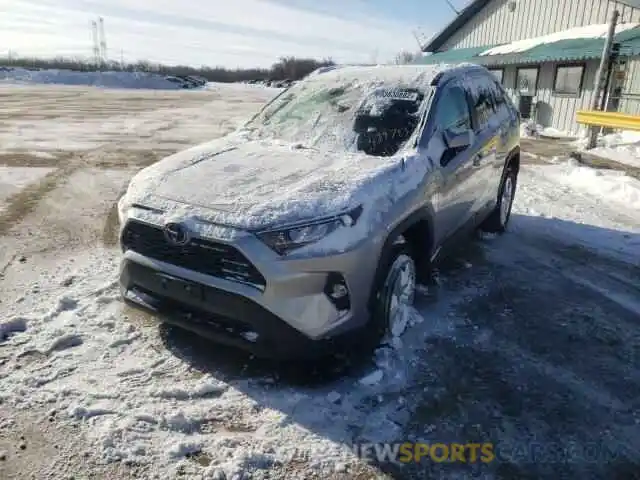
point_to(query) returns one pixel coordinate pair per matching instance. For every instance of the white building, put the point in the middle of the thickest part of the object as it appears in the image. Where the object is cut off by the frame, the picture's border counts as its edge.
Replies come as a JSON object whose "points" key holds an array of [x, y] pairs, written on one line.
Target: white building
{"points": [[546, 53]]}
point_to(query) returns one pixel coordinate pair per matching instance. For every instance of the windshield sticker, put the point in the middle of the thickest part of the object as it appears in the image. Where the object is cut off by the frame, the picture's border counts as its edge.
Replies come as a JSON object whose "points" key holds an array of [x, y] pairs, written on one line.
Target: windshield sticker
{"points": [[398, 95]]}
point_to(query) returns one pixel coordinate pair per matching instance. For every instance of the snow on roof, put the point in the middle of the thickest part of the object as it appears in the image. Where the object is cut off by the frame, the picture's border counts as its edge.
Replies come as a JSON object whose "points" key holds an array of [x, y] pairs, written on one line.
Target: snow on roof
{"points": [[588, 31], [407, 74]]}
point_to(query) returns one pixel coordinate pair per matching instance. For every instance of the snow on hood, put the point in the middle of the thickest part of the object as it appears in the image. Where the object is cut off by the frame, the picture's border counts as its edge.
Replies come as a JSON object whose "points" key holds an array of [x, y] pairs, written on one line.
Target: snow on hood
{"points": [[257, 184]]}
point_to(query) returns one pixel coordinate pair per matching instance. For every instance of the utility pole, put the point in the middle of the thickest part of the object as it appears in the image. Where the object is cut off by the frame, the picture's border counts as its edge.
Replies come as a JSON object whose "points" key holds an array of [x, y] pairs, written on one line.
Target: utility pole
{"points": [[601, 75], [96, 48], [103, 41]]}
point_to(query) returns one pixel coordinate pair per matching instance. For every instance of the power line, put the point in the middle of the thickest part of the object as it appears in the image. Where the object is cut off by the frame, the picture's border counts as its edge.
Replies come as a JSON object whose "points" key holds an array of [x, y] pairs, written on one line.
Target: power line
{"points": [[455, 10]]}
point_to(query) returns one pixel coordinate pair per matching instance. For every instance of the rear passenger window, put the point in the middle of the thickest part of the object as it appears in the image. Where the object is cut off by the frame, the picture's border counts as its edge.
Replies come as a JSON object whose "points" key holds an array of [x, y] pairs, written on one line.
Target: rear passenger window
{"points": [[452, 112]]}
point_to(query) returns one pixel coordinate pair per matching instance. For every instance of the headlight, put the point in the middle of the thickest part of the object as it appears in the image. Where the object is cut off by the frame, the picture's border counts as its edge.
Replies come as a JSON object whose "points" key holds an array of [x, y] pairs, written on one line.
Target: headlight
{"points": [[123, 206], [285, 240]]}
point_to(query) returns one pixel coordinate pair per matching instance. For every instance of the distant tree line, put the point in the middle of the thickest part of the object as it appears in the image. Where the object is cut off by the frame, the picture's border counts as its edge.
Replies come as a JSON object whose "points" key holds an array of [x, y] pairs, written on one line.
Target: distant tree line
{"points": [[292, 68], [406, 58]]}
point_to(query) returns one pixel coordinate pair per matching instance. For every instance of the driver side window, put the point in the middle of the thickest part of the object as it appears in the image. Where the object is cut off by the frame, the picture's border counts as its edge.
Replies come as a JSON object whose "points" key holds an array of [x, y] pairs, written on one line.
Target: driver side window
{"points": [[453, 117], [453, 111]]}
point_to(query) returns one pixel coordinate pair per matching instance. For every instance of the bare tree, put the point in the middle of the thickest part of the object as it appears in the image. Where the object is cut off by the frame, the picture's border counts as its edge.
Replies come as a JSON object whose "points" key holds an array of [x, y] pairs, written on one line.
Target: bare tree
{"points": [[406, 58]]}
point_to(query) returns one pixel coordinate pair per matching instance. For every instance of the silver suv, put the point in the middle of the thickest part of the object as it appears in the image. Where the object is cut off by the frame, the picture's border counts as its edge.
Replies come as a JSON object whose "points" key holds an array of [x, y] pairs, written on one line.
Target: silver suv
{"points": [[311, 224]]}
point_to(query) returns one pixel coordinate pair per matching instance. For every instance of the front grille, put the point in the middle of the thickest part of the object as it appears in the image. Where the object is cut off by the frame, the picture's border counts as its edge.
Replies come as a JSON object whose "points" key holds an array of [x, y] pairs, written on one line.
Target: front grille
{"points": [[203, 256]]}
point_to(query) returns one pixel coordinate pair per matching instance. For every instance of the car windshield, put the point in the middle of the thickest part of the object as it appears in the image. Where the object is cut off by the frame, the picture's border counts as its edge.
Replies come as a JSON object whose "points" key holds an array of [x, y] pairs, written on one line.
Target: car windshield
{"points": [[340, 112]]}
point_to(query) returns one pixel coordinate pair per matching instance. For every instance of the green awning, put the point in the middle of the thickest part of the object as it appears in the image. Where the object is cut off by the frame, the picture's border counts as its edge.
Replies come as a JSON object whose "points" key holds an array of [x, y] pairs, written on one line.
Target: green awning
{"points": [[456, 55], [560, 51]]}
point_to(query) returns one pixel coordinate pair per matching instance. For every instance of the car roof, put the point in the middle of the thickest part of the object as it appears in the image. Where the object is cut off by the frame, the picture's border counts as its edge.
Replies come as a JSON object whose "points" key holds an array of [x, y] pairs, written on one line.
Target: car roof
{"points": [[418, 75]]}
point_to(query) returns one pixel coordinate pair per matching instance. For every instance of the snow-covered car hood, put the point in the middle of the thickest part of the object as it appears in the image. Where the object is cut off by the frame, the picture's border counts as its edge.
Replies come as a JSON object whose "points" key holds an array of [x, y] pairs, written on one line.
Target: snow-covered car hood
{"points": [[255, 184]]}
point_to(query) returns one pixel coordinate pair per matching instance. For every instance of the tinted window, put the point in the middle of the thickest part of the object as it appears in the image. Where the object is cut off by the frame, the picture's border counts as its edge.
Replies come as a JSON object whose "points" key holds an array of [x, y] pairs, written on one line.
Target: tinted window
{"points": [[453, 111]]}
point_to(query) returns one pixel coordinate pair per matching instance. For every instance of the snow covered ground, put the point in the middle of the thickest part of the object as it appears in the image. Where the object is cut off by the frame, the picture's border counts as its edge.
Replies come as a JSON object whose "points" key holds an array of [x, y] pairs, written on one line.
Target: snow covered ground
{"points": [[622, 147], [118, 119], [530, 340]]}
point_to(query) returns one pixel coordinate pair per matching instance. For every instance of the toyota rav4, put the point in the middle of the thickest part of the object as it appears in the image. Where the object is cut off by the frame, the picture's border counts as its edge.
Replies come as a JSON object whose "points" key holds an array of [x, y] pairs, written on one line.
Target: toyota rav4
{"points": [[311, 224]]}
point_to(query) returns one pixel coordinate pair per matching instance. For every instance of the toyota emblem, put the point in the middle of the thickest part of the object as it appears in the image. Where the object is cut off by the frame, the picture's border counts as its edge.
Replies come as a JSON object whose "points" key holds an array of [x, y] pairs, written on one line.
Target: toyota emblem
{"points": [[176, 234]]}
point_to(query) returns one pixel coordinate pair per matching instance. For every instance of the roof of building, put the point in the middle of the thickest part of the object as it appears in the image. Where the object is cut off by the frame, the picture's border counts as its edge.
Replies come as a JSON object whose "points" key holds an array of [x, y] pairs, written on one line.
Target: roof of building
{"points": [[466, 14], [575, 44]]}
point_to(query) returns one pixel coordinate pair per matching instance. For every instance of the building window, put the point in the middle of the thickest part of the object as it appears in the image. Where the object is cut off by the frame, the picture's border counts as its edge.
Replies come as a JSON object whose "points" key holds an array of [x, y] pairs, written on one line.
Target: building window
{"points": [[568, 79], [527, 81], [498, 73]]}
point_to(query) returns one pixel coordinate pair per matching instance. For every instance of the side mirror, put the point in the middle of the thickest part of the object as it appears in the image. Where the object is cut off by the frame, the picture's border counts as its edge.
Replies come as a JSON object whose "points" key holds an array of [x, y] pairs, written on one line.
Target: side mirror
{"points": [[458, 141]]}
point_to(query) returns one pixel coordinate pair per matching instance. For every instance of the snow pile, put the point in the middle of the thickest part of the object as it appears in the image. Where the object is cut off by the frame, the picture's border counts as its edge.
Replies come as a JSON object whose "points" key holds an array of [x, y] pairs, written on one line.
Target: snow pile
{"points": [[584, 32], [613, 187], [589, 206], [530, 129], [95, 79], [551, 132], [622, 147]]}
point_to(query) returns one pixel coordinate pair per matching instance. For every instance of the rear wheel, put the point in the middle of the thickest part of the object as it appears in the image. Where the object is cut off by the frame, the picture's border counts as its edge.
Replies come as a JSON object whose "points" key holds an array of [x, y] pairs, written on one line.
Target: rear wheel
{"points": [[498, 220]]}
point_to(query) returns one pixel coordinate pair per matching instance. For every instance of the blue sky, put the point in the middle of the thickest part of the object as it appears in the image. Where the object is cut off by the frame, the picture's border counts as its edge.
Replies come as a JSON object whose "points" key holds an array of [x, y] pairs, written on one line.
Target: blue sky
{"points": [[231, 33]]}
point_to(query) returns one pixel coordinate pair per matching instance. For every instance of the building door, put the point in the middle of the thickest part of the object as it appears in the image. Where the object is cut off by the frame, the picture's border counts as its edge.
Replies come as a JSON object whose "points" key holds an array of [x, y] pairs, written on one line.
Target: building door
{"points": [[526, 86]]}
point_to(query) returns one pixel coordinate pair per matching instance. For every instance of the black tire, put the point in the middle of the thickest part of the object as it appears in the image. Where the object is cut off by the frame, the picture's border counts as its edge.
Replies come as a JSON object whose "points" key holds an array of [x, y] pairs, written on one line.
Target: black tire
{"points": [[497, 221], [380, 301]]}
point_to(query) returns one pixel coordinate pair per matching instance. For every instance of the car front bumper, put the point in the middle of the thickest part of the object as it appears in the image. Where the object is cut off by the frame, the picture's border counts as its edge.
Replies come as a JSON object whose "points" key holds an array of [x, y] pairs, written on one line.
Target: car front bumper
{"points": [[291, 317], [215, 314]]}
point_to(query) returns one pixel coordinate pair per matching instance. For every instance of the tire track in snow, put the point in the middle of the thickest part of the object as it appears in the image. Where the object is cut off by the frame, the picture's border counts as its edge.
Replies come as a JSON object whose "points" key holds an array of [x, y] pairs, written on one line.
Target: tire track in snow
{"points": [[26, 159], [24, 202]]}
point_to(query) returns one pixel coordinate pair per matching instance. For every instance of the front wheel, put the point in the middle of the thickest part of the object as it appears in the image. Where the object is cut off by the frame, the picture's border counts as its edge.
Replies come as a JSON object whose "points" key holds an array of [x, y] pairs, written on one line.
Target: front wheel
{"points": [[497, 221], [394, 293]]}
